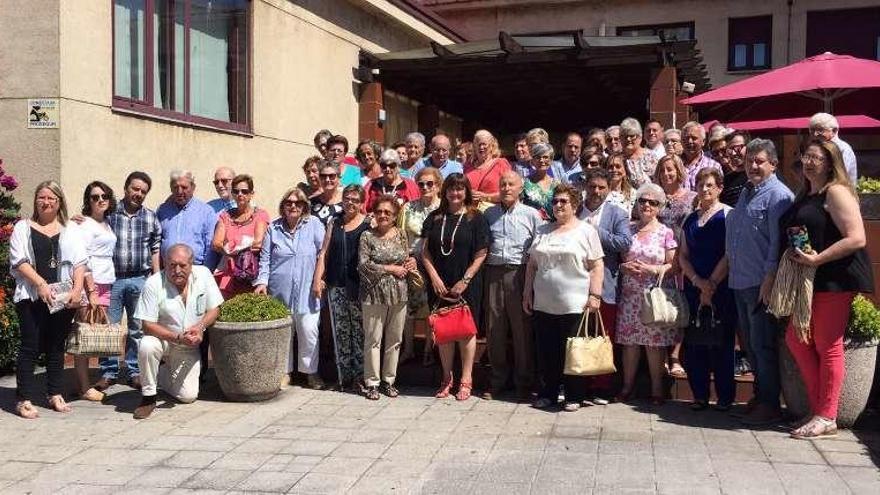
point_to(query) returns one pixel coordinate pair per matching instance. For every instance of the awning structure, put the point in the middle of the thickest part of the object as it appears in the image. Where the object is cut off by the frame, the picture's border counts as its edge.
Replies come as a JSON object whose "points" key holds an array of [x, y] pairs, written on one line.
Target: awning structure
{"points": [[560, 81], [803, 123]]}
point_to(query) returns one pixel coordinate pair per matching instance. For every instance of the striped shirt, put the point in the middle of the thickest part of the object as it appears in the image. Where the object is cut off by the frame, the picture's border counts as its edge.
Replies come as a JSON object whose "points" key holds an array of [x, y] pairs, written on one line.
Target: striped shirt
{"points": [[138, 236]]}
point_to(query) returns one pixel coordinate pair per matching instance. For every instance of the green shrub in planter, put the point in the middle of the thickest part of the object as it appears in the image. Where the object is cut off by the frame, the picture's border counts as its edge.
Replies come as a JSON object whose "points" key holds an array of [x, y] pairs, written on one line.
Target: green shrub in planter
{"points": [[864, 322], [868, 185], [245, 308]]}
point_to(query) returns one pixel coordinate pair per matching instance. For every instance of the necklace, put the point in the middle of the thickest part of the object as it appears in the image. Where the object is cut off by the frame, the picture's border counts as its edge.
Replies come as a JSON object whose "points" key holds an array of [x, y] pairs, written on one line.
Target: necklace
{"points": [[386, 191], [706, 215], [53, 263], [452, 238]]}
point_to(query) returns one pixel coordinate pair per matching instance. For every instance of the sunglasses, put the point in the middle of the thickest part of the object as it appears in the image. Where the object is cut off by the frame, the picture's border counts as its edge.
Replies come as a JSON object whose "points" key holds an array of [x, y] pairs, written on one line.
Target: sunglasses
{"points": [[384, 166], [224, 181], [560, 201], [327, 176], [100, 197], [650, 202], [425, 183], [241, 191], [387, 213], [287, 203]]}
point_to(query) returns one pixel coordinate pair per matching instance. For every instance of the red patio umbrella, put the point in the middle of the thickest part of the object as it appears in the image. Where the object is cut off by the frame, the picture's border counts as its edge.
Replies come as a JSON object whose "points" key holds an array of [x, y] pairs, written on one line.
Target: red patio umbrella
{"points": [[803, 123], [831, 83]]}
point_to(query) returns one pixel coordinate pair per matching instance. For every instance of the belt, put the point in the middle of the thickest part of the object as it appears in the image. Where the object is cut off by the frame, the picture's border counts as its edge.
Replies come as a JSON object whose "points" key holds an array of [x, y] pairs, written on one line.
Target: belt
{"points": [[144, 273]]}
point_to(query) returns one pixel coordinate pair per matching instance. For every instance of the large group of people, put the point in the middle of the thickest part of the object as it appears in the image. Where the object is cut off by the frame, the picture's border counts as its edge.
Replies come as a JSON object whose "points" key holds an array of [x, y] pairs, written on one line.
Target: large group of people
{"points": [[370, 243]]}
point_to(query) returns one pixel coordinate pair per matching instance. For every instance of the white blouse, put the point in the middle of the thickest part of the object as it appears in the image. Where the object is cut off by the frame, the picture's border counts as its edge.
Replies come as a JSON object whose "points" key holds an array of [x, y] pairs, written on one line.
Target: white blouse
{"points": [[100, 242], [562, 281]]}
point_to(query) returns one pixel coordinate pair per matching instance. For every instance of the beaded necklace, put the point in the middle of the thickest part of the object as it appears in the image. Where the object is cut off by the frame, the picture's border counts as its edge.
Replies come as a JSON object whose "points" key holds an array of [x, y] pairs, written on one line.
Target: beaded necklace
{"points": [[452, 238]]}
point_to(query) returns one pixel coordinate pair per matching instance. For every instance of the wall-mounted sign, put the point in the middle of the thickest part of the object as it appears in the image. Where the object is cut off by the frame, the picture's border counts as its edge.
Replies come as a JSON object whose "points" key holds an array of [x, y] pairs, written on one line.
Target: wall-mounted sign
{"points": [[42, 113]]}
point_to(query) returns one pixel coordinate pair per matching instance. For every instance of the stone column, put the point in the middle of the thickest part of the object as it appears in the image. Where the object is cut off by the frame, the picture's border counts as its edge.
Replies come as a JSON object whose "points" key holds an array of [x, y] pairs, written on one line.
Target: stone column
{"points": [[664, 99]]}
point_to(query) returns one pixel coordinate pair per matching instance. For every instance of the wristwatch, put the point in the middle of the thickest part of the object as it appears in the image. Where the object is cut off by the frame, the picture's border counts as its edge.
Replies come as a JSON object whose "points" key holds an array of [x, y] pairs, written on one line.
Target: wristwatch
{"points": [[466, 279]]}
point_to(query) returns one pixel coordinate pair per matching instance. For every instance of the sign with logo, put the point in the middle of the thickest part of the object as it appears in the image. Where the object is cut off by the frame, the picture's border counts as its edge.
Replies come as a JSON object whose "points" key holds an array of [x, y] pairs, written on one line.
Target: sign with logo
{"points": [[42, 113]]}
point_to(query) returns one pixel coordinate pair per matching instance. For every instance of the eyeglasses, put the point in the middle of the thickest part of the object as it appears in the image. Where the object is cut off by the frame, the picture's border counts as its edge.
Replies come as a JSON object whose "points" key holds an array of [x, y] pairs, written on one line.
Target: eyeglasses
{"points": [[288, 203], [327, 176], [650, 202], [593, 163], [812, 158], [353, 200], [387, 213], [735, 148], [336, 151], [225, 181], [387, 165], [560, 201], [241, 191], [425, 184], [99, 197]]}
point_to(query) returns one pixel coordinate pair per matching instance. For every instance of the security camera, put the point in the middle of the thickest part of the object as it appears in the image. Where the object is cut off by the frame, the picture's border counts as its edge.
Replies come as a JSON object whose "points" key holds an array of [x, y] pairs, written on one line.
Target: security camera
{"points": [[688, 87]]}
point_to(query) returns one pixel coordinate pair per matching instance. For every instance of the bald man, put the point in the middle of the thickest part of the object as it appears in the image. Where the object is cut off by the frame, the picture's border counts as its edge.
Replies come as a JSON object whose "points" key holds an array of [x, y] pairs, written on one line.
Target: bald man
{"points": [[441, 147], [512, 228], [223, 185]]}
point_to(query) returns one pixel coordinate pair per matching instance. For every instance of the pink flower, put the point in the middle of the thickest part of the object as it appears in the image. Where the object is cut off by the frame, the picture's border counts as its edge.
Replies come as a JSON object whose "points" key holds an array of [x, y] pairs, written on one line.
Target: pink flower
{"points": [[8, 182]]}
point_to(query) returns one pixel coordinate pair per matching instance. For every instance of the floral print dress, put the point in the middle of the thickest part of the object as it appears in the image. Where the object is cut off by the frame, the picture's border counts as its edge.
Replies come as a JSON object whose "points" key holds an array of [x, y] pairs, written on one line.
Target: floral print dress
{"points": [[649, 248], [538, 198]]}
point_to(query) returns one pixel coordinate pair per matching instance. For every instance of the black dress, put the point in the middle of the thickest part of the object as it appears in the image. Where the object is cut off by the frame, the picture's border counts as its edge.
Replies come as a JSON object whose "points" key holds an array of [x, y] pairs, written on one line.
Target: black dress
{"points": [[471, 236]]}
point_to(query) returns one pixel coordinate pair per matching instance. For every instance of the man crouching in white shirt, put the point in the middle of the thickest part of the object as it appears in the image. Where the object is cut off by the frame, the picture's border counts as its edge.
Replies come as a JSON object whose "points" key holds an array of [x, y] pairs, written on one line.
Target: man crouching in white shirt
{"points": [[175, 307]]}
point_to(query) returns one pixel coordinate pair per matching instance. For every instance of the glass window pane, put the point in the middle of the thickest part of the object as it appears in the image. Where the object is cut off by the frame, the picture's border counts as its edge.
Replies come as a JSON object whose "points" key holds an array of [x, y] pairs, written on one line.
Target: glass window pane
{"points": [[128, 38], [168, 47], [739, 55], [218, 59], [759, 54]]}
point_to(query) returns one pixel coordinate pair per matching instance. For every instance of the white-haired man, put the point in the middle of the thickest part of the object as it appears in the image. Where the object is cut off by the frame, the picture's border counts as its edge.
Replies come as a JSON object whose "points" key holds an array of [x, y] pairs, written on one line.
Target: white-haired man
{"points": [[223, 185], [175, 307], [187, 220], [441, 147], [824, 126], [693, 135]]}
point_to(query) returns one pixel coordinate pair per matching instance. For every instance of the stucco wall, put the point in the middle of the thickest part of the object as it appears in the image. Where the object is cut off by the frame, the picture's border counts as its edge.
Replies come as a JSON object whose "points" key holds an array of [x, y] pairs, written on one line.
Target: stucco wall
{"points": [[302, 81], [483, 19], [28, 69]]}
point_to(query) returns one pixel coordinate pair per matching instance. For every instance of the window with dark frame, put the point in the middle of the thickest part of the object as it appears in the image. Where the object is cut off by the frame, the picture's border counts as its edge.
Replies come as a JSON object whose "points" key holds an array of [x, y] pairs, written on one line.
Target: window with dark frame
{"points": [[862, 37], [679, 31], [749, 41], [186, 60]]}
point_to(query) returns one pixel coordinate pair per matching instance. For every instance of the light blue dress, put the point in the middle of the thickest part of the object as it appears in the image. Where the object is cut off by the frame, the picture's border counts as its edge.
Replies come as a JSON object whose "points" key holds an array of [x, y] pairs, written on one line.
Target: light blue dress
{"points": [[287, 263]]}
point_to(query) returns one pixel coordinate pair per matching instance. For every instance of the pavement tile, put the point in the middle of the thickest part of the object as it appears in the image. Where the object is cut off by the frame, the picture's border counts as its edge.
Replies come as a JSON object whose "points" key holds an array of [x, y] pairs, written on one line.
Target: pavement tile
{"points": [[664, 488], [748, 477], [462, 454], [369, 450], [633, 471], [449, 471], [411, 468], [85, 489], [71, 473], [216, 479], [861, 480], [160, 477], [521, 442], [15, 471], [571, 444], [313, 483], [856, 459], [825, 445], [34, 488], [408, 451], [806, 479], [500, 488], [441, 487], [262, 445], [189, 442], [120, 457], [197, 459], [381, 485], [310, 447], [269, 481], [241, 461], [351, 466], [513, 467], [371, 435]]}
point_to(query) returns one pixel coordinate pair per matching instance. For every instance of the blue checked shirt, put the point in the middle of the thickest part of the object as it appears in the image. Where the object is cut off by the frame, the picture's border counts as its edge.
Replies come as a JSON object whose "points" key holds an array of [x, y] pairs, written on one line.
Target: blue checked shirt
{"points": [[192, 225], [138, 236]]}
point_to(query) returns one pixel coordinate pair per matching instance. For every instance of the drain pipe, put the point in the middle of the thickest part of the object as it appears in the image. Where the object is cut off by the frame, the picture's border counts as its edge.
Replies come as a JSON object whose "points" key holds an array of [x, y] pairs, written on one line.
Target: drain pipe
{"points": [[788, 34]]}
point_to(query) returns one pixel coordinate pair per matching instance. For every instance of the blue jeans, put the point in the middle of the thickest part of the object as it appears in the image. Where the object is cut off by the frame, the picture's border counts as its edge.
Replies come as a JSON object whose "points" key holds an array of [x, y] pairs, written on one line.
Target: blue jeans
{"points": [[125, 294], [763, 335]]}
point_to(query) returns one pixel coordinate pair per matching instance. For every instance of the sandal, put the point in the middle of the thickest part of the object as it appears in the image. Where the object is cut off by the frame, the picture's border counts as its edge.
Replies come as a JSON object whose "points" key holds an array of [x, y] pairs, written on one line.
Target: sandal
{"points": [[389, 390], [675, 368], [92, 395], [818, 427], [445, 385], [372, 393], [26, 410], [57, 403], [464, 390]]}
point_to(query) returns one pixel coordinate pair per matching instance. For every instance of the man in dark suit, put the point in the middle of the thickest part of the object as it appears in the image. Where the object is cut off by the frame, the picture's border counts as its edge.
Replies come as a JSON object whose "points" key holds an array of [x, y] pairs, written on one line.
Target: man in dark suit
{"points": [[612, 222]]}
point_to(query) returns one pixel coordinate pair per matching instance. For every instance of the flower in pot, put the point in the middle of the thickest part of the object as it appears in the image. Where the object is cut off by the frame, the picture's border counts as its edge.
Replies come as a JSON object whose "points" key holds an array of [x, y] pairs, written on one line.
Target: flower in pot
{"points": [[860, 357], [250, 342]]}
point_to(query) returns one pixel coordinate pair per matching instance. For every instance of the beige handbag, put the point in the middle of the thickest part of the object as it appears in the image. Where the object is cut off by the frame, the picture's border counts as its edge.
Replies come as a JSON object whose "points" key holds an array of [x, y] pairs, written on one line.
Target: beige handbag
{"points": [[587, 355], [664, 307], [92, 335]]}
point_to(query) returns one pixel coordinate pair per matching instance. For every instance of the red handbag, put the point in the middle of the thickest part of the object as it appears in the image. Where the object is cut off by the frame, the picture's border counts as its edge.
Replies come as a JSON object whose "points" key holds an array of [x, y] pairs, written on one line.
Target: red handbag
{"points": [[452, 323]]}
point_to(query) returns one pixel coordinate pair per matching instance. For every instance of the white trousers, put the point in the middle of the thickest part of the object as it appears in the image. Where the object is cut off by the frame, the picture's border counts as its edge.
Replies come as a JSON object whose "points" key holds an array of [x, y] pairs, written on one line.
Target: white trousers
{"points": [[178, 376], [305, 330], [381, 320]]}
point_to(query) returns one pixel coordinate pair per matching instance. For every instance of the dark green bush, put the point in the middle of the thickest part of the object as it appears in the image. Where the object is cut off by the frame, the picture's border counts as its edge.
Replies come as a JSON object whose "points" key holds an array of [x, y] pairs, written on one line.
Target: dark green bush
{"points": [[864, 321], [252, 307]]}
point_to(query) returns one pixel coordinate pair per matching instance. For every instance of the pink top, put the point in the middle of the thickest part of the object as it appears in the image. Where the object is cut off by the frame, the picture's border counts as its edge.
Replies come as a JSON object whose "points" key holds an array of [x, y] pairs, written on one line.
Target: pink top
{"points": [[235, 232], [486, 180]]}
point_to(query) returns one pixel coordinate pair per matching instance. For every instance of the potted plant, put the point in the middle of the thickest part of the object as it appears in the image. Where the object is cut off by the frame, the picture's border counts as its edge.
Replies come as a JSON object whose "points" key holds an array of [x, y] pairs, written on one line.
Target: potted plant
{"points": [[9, 214], [250, 343], [860, 356]]}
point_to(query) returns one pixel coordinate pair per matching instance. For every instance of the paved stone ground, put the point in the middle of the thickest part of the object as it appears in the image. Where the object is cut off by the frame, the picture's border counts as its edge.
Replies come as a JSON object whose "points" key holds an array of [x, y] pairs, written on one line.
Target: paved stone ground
{"points": [[326, 442]]}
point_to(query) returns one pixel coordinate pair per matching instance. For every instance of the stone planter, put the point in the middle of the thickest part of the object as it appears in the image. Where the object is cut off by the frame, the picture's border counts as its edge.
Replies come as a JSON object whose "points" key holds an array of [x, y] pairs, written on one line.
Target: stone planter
{"points": [[870, 206], [860, 362], [250, 358]]}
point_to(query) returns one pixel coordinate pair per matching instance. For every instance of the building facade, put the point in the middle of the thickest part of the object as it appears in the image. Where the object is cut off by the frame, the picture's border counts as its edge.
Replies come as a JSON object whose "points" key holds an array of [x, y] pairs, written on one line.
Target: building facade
{"points": [[155, 85], [736, 38]]}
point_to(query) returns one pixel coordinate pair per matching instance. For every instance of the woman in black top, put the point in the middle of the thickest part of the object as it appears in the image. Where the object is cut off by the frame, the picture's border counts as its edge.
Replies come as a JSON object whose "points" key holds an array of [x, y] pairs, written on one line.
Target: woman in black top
{"points": [[45, 254], [337, 271], [828, 209], [328, 204], [456, 243]]}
